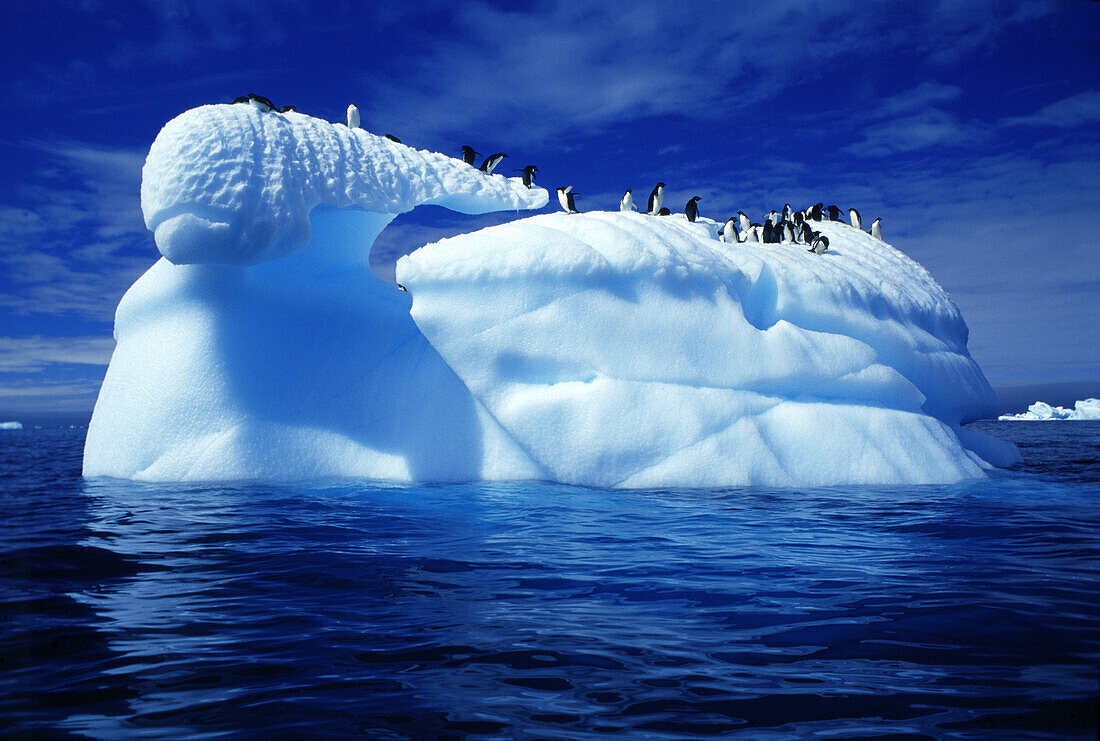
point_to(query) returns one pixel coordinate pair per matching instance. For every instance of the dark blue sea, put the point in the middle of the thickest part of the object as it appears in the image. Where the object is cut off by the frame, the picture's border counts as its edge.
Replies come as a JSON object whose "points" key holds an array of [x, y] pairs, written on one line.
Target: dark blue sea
{"points": [[533, 611]]}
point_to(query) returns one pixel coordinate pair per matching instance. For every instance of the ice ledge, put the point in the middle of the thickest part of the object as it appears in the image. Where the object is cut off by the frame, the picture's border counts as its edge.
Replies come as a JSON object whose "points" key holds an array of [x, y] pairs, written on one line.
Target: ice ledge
{"points": [[227, 184]]}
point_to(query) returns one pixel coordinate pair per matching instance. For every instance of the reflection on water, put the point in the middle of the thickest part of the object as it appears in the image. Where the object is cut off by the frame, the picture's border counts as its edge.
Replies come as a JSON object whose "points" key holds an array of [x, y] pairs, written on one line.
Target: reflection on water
{"points": [[542, 611]]}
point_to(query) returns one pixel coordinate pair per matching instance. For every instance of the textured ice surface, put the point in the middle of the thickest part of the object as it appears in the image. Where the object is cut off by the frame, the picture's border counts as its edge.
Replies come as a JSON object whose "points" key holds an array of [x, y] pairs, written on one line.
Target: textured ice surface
{"points": [[1085, 409], [610, 349], [623, 349], [228, 184]]}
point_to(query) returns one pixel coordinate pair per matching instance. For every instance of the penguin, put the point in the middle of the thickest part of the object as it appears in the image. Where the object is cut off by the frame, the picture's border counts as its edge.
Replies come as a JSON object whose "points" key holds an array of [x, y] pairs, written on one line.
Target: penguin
{"points": [[820, 244], [815, 211], [627, 202], [353, 117], [876, 229], [787, 212], [744, 219], [769, 233], [799, 219], [664, 211], [807, 233], [241, 99], [287, 109], [728, 233], [656, 199], [565, 198], [853, 216], [752, 234], [773, 215], [468, 154], [788, 233], [406, 290], [392, 138], [691, 209], [528, 175], [491, 162]]}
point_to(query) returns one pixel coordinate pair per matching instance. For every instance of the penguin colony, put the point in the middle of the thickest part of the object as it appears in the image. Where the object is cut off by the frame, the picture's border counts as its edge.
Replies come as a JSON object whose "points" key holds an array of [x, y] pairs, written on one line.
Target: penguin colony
{"points": [[786, 227]]}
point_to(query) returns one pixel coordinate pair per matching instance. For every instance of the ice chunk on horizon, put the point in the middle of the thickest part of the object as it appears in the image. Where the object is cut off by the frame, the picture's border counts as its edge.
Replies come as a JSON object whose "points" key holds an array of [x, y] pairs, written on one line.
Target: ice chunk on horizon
{"points": [[1083, 410], [11, 425]]}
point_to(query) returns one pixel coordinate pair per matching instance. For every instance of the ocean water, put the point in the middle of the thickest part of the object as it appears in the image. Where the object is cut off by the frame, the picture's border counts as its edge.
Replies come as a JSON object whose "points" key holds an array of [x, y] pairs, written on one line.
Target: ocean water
{"points": [[524, 611]]}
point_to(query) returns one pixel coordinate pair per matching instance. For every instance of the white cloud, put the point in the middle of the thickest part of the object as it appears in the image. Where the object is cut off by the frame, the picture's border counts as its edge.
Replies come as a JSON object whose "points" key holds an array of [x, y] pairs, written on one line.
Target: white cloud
{"points": [[1077, 110], [31, 354]]}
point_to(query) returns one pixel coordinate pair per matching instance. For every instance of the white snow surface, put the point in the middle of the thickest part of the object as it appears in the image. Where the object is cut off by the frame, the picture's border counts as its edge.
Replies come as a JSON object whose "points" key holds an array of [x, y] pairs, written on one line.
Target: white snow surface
{"points": [[602, 349], [1084, 409], [11, 425], [229, 184]]}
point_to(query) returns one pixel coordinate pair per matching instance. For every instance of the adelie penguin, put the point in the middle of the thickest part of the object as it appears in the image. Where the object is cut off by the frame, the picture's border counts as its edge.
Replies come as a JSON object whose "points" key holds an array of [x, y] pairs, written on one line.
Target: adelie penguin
{"points": [[392, 138], [656, 199], [788, 213], [287, 109], [807, 233], [815, 211], [834, 213], [752, 234], [627, 202], [691, 209], [468, 155], [353, 117], [876, 229], [491, 162], [664, 211], [853, 217], [820, 244], [528, 175], [744, 219], [728, 233], [565, 198], [259, 102]]}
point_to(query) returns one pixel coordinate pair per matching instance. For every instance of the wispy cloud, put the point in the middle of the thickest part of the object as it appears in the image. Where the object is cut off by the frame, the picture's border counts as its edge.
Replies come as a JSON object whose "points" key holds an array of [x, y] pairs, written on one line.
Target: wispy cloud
{"points": [[30, 354], [73, 240], [1077, 110]]}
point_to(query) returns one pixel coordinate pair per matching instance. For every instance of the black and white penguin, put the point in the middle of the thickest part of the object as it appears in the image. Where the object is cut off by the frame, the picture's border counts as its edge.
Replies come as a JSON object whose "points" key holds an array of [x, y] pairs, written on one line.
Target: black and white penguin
{"points": [[876, 228], [353, 117], [392, 138], [853, 216], [752, 234], [691, 209], [815, 211], [807, 233], [565, 198], [744, 219], [468, 154], [773, 215], [664, 211], [799, 219], [656, 199], [406, 290], [834, 213], [820, 244], [287, 109], [241, 99], [788, 214], [627, 202], [771, 232], [728, 232], [528, 175], [491, 162], [788, 232]]}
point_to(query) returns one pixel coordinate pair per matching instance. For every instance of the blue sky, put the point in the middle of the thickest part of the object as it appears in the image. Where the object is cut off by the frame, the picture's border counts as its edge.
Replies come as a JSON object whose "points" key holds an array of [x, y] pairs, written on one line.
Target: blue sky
{"points": [[972, 129]]}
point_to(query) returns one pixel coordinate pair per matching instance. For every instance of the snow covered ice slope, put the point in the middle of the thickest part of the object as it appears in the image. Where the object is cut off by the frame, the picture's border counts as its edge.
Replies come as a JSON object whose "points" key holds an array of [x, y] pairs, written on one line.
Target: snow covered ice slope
{"points": [[600, 349]]}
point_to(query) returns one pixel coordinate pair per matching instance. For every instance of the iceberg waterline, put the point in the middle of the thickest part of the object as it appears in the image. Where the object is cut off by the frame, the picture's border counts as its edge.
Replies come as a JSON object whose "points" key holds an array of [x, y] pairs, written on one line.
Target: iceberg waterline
{"points": [[1084, 409], [599, 349]]}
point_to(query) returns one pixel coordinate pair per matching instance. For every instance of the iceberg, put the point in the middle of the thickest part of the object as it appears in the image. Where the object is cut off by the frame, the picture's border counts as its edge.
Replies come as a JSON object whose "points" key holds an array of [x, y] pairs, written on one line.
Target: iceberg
{"points": [[11, 425], [599, 349], [1084, 409]]}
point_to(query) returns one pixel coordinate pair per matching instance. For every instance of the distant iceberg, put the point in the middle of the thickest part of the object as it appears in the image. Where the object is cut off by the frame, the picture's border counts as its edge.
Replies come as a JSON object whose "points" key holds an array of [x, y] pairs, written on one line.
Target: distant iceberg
{"points": [[11, 425], [1085, 409], [601, 349]]}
